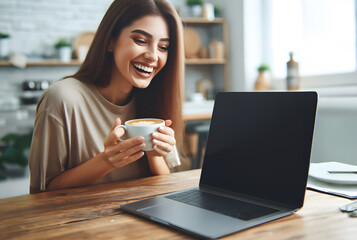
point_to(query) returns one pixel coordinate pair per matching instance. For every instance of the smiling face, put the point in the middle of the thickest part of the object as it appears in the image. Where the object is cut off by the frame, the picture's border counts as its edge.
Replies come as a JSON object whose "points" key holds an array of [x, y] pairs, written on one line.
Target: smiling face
{"points": [[140, 51]]}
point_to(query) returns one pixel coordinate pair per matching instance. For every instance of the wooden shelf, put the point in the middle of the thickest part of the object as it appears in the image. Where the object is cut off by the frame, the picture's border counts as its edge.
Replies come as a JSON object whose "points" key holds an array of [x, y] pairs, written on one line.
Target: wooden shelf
{"points": [[202, 21], [45, 63], [204, 61], [216, 29]]}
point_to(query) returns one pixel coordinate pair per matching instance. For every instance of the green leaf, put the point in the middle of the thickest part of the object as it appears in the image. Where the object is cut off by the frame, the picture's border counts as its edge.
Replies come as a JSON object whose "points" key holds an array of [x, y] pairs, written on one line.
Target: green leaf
{"points": [[9, 137], [11, 155], [4, 35], [14, 153], [194, 2], [62, 43], [263, 67]]}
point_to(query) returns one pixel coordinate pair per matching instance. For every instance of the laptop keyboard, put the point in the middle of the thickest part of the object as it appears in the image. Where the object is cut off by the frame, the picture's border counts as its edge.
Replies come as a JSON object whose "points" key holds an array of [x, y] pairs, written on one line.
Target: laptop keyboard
{"points": [[227, 206]]}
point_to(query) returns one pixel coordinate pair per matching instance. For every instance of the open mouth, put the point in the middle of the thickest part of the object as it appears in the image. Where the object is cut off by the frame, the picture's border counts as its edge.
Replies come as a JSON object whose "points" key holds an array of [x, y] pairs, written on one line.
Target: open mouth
{"points": [[143, 69]]}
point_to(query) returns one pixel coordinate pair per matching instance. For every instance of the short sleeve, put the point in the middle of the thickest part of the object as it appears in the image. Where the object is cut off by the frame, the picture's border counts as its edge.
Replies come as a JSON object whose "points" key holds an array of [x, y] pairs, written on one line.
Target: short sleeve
{"points": [[48, 154]]}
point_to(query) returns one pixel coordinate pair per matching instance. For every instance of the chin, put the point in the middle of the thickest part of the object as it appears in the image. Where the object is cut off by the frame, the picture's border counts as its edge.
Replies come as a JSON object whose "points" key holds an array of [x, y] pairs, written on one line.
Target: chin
{"points": [[142, 84]]}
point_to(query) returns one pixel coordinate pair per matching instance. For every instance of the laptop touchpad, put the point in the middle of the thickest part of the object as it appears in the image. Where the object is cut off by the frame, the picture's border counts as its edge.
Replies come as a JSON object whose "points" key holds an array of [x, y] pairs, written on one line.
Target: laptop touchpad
{"points": [[188, 217]]}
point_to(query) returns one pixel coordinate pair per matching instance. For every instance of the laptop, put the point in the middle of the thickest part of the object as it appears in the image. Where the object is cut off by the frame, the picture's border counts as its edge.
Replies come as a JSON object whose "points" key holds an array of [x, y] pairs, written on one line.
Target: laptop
{"points": [[255, 166]]}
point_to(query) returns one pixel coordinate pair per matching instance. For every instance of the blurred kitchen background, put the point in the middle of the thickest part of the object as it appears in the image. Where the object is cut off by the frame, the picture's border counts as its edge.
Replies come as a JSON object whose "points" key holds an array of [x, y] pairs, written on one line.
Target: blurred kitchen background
{"points": [[228, 44]]}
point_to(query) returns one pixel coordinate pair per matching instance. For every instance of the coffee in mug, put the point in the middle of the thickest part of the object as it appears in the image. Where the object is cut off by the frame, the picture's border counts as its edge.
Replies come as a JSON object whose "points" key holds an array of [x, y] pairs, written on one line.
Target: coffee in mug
{"points": [[144, 122], [142, 127]]}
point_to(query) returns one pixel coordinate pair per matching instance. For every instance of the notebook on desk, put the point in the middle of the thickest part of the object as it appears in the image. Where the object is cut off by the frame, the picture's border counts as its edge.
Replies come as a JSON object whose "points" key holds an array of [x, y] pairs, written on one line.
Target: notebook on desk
{"points": [[255, 166]]}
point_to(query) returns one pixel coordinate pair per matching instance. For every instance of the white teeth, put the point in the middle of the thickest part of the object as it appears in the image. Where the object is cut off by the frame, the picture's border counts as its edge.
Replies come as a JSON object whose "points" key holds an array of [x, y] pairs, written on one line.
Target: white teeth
{"points": [[146, 69]]}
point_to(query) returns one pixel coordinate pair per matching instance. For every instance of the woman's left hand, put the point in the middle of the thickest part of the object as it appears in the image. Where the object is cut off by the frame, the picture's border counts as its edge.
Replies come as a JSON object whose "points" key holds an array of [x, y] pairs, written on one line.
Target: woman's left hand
{"points": [[164, 139]]}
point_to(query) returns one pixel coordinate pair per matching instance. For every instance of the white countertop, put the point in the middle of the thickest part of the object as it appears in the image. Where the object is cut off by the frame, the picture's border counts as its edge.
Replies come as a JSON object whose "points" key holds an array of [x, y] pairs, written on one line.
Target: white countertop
{"points": [[198, 107]]}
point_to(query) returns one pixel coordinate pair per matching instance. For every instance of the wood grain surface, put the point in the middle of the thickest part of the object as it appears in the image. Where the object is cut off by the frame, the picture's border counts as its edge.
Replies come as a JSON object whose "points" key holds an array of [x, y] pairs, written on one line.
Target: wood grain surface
{"points": [[93, 212]]}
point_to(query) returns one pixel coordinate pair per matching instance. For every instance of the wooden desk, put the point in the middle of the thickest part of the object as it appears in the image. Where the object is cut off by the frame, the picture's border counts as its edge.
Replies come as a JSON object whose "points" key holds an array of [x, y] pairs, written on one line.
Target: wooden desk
{"points": [[94, 213]]}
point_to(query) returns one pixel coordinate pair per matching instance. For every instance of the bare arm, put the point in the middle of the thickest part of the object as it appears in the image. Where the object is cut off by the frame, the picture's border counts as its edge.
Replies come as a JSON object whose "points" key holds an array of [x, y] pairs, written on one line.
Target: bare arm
{"points": [[84, 174], [157, 164]]}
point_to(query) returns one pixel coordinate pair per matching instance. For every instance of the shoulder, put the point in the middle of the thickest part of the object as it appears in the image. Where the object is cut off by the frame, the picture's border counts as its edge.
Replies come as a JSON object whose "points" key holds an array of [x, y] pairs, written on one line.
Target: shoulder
{"points": [[68, 87], [66, 93]]}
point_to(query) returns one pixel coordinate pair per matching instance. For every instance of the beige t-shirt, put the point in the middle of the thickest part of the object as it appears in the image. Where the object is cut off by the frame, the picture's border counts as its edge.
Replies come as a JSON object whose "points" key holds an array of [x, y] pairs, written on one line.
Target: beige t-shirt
{"points": [[72, 121]]}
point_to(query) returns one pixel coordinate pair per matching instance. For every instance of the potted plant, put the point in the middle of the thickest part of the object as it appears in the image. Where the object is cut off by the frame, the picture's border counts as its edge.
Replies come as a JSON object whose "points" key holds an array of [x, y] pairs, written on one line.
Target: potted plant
{"points": [[195, 7], [64, 49], [263, 81], [13, 155], [4, 45]]}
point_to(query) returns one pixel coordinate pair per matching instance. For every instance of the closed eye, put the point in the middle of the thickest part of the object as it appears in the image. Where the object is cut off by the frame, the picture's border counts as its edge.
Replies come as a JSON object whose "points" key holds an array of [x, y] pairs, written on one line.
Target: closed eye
{"points": [[140, 41], [163, 48]]}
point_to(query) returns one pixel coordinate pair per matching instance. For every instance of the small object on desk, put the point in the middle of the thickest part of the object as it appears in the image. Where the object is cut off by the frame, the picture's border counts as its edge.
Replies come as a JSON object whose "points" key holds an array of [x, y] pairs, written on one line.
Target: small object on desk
{"points": [[342, 172], [321, 179], [347, 191], [353, 214], [349, 207], [326, 172]]}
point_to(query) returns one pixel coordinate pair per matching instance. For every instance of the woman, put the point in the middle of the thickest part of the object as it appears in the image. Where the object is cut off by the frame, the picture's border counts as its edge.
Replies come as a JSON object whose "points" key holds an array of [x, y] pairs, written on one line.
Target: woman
{"points": [[133, 69]]}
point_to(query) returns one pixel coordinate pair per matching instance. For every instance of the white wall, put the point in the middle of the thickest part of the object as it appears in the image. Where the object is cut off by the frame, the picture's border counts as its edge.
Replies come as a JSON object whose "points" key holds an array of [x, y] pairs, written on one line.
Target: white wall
{"points": [[335, 137], [245, 18], [35, 25]]}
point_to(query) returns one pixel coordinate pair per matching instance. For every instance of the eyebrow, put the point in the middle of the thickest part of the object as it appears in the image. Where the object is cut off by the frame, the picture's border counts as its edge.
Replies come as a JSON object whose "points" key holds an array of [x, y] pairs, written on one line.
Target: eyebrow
{"points": [[149, 35]]}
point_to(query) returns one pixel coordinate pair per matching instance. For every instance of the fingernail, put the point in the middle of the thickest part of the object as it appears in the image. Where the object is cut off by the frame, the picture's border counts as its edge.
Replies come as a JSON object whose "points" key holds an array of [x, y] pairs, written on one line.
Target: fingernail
{"points": [[154, 141], [140, 139], [161, 128], [141, 154], [142, 145], [155, 134]]}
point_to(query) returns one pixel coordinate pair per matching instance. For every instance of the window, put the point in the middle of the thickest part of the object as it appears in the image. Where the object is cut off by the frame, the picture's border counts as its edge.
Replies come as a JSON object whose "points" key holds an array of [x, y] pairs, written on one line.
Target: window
{"points": [[321, 33]]}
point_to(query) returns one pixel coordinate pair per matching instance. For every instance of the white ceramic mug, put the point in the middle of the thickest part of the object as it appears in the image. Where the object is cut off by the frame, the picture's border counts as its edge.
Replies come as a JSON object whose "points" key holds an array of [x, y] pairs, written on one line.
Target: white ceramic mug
{"points": [[142, 127]]}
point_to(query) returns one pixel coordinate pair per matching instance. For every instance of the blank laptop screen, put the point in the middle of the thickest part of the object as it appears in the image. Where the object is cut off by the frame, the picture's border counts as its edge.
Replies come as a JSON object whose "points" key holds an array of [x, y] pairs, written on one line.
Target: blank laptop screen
{"points": [[259, 144]]}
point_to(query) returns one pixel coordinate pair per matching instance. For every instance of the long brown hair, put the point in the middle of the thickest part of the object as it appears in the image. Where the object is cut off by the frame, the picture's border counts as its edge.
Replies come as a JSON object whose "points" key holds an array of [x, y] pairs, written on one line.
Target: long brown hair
{"points": [[163, 97]]}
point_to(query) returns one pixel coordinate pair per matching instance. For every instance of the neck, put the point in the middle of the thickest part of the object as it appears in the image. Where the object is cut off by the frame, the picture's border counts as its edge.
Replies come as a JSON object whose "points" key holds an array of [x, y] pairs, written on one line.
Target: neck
{"points": [[117, 92]]}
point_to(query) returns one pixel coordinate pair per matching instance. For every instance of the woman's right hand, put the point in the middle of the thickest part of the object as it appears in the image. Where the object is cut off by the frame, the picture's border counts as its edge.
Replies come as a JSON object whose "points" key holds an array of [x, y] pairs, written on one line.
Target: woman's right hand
{"points": [[120, 153]]}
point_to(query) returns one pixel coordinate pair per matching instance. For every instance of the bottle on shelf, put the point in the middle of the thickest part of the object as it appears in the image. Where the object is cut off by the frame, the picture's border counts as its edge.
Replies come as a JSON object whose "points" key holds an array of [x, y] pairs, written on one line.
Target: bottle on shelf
{"points": [[293, 77]]}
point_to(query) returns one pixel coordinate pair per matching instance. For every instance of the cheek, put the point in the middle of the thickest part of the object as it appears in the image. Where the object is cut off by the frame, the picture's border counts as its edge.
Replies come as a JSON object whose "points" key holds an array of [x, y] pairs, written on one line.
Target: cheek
{"points": [[163, 60], [123, 58], [125, 52]]}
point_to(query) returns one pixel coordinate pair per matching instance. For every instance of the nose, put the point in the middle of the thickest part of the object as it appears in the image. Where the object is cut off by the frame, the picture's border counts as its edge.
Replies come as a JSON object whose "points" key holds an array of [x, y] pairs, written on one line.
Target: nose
{"points": [[151, 54]]}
